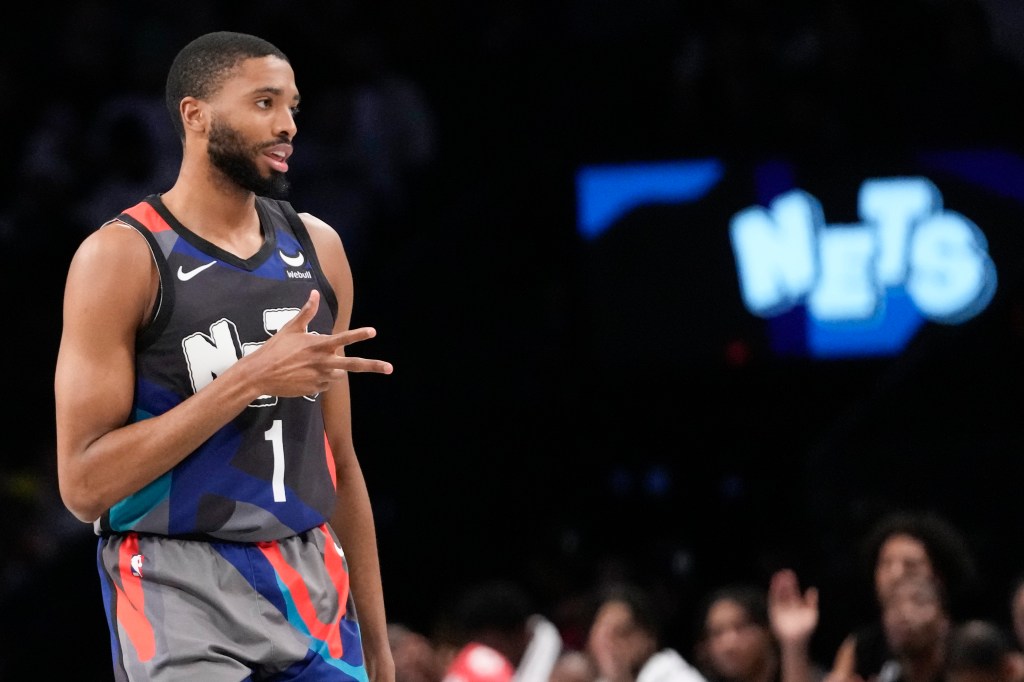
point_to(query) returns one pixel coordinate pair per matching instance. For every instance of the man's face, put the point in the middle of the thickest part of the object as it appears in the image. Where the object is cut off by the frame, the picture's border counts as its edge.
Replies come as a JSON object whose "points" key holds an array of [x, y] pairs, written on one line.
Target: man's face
{"points": [[230, 154], [252, 125]]}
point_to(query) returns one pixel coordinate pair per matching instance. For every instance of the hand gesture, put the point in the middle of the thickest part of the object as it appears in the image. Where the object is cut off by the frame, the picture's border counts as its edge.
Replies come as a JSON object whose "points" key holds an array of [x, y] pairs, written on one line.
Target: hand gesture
{"points": [[793, 616], [295, 362]]}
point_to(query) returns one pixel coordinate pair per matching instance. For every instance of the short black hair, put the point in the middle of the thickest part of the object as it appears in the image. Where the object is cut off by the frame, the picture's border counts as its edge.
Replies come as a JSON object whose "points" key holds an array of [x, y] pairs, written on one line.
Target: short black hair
{"points": [[200, 67]]}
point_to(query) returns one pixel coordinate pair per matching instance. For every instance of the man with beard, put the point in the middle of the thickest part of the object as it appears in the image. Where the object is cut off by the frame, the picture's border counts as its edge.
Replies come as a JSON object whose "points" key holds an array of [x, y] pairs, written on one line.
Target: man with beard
{"points": [[203, 409], [917, 623]]}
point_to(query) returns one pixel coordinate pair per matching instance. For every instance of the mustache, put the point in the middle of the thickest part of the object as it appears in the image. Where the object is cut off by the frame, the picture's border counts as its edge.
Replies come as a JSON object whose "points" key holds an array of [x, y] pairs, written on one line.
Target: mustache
{"points": [[283, 139]]}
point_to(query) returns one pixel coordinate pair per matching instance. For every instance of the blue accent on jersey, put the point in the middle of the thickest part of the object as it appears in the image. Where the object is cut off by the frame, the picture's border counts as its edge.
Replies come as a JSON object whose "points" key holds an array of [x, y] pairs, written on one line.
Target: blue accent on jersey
{"points": [[264, 475]]}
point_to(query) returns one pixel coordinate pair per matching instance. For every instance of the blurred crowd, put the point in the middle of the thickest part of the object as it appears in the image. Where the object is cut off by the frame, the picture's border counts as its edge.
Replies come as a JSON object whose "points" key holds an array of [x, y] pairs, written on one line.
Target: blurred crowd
{"points": [[923, 625]]}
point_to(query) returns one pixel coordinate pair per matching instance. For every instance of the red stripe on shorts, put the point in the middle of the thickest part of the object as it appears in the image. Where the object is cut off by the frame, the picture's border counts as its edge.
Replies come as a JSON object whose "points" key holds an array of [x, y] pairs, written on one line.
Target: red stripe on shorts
{"points": [[325, 632], [336, 569], [131, 602]]}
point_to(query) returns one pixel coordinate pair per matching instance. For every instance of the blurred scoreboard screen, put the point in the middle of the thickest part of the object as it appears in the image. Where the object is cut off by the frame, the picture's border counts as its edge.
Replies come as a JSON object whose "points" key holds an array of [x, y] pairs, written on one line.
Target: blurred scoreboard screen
{"points": [[710, 259]]}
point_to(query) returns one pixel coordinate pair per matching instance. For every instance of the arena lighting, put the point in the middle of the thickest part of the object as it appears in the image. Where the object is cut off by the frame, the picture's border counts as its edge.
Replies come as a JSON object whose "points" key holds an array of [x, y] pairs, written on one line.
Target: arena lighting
{"points": [[607, 192], [829, 289]]}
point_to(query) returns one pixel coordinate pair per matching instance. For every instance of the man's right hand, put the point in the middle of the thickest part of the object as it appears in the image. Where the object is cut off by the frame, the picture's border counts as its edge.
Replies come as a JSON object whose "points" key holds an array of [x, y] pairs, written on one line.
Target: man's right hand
{"points": [[295, 362]]}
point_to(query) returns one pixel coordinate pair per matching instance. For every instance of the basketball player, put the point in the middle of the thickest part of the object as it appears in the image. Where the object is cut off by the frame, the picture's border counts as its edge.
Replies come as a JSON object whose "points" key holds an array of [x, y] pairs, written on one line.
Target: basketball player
{"points": [[202, 404]]}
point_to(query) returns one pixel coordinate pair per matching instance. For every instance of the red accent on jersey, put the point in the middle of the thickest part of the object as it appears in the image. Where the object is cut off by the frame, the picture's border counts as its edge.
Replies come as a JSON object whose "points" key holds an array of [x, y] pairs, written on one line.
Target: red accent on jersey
{"points": [[330, 461], [148, 216]]}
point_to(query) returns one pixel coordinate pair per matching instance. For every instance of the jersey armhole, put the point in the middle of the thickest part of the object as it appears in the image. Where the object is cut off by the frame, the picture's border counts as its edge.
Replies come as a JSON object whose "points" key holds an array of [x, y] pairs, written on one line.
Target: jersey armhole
{"points": [[164, 294], [302, 234]]}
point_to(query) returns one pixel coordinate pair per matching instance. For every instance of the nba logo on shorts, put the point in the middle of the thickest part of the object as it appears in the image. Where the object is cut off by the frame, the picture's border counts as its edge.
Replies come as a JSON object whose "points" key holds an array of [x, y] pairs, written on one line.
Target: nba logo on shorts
{"points": [[137, 565]]}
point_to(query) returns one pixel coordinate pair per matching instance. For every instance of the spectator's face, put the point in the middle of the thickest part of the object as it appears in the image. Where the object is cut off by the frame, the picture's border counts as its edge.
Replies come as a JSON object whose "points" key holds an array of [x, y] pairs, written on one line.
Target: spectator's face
{"points": [[737, 648], [913, 616], [415, 657], [899, 556], [618, 644]]}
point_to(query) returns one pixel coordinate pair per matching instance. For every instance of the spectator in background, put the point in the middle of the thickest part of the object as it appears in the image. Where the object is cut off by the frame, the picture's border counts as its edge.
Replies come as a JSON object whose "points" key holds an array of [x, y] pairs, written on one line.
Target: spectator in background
{"points": [[749, 634], [495, 635], [416, 659], [793, 616], [981, 651], [736, 642], [625, 640], [574, 666], [916, 622], [901, 544]]}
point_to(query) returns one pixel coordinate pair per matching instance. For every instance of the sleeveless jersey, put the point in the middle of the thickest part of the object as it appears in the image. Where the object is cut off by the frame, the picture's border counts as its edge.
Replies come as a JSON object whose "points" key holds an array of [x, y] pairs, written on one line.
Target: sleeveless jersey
{"points": [[269, 473]]}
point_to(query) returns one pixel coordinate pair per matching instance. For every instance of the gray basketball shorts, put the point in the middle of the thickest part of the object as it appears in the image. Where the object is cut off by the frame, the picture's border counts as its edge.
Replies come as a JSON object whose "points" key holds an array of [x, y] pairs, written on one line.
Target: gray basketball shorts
{"points": [[218, 611]]}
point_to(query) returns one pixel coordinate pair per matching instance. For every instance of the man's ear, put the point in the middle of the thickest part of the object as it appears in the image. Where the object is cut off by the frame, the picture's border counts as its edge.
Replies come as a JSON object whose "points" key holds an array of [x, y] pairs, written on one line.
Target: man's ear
{"points": [[193, 114]]}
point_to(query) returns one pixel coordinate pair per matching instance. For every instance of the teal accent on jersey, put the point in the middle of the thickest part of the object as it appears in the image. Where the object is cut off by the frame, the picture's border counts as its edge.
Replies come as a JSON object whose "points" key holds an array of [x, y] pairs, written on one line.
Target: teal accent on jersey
{"points": [[126, 513]]}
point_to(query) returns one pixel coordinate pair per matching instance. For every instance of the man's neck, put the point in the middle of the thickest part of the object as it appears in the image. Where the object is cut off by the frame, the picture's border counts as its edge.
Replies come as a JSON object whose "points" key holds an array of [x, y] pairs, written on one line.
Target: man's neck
{"points": [[224, 217]]}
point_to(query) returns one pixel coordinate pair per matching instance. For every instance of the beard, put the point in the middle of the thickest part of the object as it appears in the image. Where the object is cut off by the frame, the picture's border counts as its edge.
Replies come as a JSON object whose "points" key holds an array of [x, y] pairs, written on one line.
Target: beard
{"points": [[236, 160]]}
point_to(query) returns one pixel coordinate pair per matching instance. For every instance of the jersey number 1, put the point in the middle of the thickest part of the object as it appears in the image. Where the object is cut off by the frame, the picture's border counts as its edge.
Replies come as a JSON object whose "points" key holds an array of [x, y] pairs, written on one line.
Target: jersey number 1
{"points": [[273, 434]]}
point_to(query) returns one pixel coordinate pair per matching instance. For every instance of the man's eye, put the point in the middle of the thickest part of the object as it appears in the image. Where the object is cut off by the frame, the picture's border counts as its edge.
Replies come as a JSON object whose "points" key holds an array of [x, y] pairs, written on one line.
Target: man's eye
{"points": [[295, 111]]}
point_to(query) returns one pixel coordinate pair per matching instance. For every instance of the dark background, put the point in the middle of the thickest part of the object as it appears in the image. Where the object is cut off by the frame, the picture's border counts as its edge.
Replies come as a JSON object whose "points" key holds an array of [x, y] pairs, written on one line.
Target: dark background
{"points": [[562, 411]]}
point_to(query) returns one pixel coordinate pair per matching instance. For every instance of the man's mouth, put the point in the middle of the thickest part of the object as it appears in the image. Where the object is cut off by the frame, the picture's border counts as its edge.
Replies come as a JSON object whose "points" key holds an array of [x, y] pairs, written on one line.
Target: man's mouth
{"points": [[278, 155]]}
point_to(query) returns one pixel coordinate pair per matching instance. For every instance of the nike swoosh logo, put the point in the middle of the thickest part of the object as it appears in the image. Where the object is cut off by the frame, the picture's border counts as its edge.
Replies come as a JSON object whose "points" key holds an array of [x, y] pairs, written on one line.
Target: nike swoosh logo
{"points": [[293, 261], [186, 276]]}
